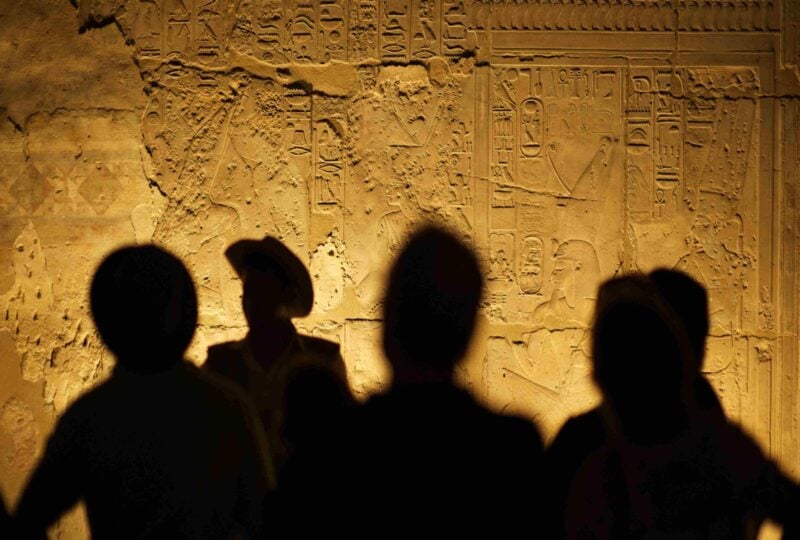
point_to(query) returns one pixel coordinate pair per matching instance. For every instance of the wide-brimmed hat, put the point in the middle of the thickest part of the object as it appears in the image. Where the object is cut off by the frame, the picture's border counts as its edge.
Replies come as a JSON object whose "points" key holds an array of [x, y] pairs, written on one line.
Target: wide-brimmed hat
{"points": [[271, 253]]}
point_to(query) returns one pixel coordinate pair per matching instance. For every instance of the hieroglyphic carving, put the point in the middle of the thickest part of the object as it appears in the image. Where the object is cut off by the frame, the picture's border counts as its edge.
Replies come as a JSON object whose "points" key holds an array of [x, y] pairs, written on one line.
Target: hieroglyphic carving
{"points": [[700, 143], [672, 122], [648, 157], [502, 257], [148, 29], [363, 32], [639, 135], [228, 141], [332, 30], [457, 37], [718, 260], [532, 122], [530, 270], [297, 107], [195, 29], [634, 16], [460, 171], [424, 29], [668, 141], [305, 31], [553, 128], [728, 150], [302, 31], [721, 132], [269, 29], [395, 30], [329, 165]]}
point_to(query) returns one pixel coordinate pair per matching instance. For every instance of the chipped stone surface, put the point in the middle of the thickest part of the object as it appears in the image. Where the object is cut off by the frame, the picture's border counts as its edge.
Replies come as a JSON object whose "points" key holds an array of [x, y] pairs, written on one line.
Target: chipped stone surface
{"points": [[18, 422], [566, 141]]}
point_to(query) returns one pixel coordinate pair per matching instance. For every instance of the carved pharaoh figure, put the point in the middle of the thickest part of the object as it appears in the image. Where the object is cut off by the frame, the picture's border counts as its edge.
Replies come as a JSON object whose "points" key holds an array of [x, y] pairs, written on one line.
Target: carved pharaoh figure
{"points": [[574, 278], [558, 348], [392, 230]]}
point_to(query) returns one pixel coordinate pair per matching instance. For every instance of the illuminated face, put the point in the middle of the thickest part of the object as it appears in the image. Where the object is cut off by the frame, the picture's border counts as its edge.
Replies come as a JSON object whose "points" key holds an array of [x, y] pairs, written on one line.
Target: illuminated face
{"points": [[703, 229], [563, 270]]}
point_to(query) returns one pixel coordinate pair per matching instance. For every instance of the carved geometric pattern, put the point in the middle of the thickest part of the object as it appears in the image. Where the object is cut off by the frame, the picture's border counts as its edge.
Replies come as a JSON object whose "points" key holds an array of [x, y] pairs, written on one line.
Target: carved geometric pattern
{"points": [[31, 189], [101, 188]]}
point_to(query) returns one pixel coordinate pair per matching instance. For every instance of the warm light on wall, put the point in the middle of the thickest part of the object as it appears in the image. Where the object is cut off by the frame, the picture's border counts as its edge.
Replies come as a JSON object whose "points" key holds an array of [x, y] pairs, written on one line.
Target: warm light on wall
{"points": [[563, 155]]}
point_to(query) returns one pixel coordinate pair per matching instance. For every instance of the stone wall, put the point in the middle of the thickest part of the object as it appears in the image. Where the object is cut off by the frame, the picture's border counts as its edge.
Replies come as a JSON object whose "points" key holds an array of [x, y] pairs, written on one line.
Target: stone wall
{"points": [[565, 140]]}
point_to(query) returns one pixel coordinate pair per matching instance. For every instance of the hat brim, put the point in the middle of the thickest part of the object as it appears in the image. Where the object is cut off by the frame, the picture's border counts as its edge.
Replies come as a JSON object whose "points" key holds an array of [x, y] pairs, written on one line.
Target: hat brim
{"points": [[301, 297]]}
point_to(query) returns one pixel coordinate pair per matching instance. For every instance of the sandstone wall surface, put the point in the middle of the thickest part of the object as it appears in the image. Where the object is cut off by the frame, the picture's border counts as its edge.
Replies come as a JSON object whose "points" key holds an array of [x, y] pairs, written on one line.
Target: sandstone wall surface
{"points": [[566, 140]]}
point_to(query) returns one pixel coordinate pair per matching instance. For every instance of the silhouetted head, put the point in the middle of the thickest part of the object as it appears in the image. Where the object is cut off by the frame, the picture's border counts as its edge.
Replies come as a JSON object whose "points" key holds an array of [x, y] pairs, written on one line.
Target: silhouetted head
{"points": [[145, 307], [276, 284], [431, 302], [689, 301], [641, 357]]}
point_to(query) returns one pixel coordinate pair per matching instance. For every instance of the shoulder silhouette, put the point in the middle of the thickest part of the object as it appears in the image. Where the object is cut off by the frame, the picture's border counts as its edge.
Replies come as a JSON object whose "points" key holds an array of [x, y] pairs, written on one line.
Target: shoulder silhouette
{"points": [[160, 449], [426, 455]]}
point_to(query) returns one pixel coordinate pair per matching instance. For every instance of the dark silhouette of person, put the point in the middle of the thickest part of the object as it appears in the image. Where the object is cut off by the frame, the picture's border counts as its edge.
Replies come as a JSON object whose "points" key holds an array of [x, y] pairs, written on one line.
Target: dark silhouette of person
{"points": [[318, 409], [585, 433], [425, 456], [5, 520], [650, 461], [160, 449], [689, 302], [636, 337], [276, 288]]}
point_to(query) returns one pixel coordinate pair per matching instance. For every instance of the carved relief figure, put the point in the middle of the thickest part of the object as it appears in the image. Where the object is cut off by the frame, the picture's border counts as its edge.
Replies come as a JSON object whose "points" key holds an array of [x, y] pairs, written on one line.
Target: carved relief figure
{"points": [[548, 378], [574, 279], [392, 230], [444, 126], [500, 267], [395, 225], [558, 348], [717, 259], [501, 257]]}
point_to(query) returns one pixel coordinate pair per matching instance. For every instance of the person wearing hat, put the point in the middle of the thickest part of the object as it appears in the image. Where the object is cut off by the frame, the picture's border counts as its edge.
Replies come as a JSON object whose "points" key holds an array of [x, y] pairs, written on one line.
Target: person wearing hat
{"points": [[276, 288]]}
